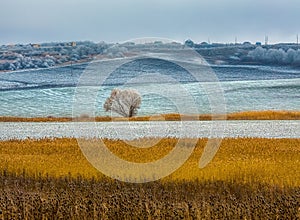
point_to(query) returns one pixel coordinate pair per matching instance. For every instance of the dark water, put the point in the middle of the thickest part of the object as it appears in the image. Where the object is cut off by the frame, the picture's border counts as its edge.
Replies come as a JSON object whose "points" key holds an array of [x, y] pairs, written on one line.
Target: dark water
{"points": [[46, 92]]}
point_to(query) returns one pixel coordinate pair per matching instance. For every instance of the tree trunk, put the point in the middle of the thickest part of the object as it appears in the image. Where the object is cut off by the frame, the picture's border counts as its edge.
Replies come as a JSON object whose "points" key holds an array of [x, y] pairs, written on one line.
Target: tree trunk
{"points": [[131, 111]]}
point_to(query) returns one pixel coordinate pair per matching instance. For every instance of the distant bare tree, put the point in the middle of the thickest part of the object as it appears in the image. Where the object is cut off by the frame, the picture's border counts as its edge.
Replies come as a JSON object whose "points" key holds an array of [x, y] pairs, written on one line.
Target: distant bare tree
{"points": [[124, 102]]}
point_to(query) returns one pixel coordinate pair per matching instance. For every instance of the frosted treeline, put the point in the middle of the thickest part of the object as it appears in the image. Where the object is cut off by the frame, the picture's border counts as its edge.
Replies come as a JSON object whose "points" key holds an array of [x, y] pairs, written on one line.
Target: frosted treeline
{"points": [[46, 55], [15, 57], [50, 54], [275, 56]]}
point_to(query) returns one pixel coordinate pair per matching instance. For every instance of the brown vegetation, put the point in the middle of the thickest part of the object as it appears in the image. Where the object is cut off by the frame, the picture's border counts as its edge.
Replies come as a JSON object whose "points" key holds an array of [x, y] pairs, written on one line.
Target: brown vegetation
{"points": [[25, 197], [265, 115], [251, 115], [249, 178], [247, 160]]}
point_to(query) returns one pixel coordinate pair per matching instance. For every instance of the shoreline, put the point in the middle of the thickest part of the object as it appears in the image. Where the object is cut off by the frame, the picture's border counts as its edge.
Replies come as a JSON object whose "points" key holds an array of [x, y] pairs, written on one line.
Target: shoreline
{"points": [[245, 115], [104, 57]]}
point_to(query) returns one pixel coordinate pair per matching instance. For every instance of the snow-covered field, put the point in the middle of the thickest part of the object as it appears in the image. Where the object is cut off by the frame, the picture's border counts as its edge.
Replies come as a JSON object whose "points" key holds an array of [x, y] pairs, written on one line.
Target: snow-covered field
{"points": [[133, 130]]}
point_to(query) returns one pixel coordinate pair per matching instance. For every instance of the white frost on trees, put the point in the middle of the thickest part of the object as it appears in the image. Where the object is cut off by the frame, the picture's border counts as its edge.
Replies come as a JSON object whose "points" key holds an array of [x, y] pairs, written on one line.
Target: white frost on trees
{"points": [[278, 56], [124, 102]]}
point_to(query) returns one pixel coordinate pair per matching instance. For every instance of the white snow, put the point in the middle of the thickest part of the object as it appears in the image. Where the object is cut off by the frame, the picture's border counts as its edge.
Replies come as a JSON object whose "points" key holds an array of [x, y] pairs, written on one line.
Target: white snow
{"points": [[134, 130]]}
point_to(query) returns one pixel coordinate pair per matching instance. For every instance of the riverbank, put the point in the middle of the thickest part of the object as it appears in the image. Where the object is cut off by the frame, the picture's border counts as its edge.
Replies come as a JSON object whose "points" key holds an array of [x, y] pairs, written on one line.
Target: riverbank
{"points": [[249, 115]]}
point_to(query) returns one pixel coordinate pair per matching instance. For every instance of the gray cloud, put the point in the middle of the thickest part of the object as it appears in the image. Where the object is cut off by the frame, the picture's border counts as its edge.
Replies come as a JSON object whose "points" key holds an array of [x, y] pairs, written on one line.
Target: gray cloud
{"points": [[57, 20]]}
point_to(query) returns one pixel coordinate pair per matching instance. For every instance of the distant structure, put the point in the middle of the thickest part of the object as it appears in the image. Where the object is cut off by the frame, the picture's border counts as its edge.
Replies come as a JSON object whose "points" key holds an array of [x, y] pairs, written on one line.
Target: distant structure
{"points": [[36, 45], [297, 39], [235, 40], [71, 44], [266, 40]]}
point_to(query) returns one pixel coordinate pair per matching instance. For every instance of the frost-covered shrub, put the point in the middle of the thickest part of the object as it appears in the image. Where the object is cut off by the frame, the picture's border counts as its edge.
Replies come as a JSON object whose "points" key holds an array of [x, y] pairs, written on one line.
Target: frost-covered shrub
{"points": [[275, 56], [115, 51]]}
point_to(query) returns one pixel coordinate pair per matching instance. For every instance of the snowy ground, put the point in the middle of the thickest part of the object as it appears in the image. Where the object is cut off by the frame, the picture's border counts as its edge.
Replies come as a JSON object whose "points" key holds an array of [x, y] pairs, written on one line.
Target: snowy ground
{"points": [[132, 130]]}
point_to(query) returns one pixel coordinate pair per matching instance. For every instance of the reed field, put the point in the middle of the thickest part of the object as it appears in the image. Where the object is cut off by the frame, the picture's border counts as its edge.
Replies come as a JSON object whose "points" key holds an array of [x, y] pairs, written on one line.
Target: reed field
{"points": [[247, 160], [249, 178], [251, 115], [23, 197]]}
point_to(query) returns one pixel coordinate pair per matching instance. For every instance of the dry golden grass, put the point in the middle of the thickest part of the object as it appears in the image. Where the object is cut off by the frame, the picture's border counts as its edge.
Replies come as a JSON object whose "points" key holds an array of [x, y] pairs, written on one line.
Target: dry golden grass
{"points": [[249, 178], [243, 160], [251, 115], [265, 115], [37, 119], [24, 197]]}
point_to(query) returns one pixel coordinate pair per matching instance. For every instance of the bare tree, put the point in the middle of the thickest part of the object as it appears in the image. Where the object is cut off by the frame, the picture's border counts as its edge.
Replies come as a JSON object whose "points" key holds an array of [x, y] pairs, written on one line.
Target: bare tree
{"points": [[124, 102]]}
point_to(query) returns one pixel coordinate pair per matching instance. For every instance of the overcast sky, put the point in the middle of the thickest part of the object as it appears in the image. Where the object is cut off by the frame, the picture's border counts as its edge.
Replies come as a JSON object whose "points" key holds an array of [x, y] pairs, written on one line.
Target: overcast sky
{"points": [[29, 21]]}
